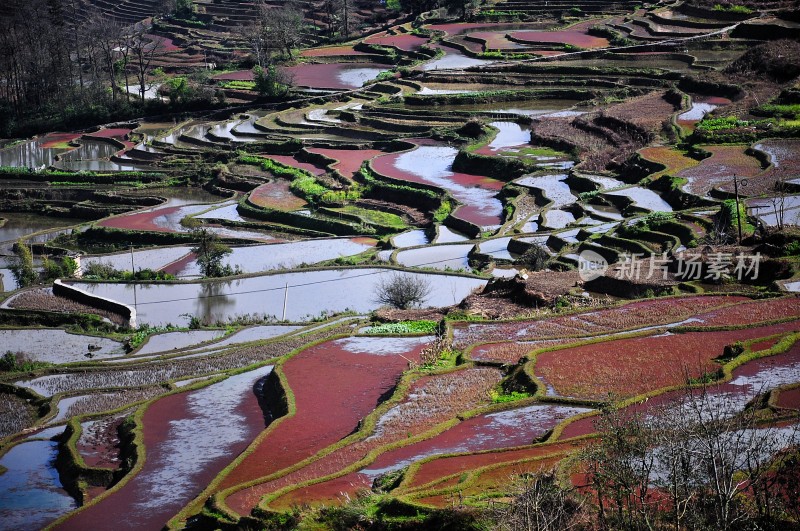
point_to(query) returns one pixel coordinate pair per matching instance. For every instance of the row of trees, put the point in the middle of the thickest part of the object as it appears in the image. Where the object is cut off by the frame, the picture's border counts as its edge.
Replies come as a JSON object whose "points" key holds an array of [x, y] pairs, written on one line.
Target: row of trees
{"points": [[276, 31], [58, 58], [694, 464]]}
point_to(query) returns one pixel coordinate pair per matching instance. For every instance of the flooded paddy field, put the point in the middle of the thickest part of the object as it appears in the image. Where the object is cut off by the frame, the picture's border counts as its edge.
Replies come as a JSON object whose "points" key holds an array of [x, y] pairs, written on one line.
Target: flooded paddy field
{"points": [[309, 293], [266, 361]]}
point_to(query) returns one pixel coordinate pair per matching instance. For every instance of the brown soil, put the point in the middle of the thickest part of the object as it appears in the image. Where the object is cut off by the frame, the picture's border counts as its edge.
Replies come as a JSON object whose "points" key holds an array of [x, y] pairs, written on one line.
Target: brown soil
{"points": [[515, 297], [99, 444], [43, 299]]}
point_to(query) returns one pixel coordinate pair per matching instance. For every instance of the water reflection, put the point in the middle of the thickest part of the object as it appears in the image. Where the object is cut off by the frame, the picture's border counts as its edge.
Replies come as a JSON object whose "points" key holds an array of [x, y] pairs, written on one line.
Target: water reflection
{"points": [[310, 294]]}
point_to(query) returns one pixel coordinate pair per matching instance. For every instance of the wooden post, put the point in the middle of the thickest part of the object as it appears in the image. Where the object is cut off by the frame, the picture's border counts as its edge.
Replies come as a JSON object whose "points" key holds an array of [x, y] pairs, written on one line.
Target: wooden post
{"points": [[738, 210]]}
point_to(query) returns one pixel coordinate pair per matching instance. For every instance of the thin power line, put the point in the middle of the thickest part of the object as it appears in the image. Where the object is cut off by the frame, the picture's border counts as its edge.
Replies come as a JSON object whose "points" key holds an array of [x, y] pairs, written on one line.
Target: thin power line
{"points": [[281, 288]]}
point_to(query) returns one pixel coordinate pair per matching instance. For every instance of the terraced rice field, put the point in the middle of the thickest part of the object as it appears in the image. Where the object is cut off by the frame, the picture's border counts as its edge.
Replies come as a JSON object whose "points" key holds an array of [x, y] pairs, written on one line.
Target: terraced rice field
{"points": [[264, 390], [716, 171]]}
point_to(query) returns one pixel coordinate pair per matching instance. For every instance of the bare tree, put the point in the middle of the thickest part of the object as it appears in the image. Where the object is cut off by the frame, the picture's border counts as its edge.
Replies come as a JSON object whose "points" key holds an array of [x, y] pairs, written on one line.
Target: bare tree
{"points": [[402, 290], [703, 452], [143, 50], [253, 35], [103, 33], [275, 30], [283, 28], [541, 505]]}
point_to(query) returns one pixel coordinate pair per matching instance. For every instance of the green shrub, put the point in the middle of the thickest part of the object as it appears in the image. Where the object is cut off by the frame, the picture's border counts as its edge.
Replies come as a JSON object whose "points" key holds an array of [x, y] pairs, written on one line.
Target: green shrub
{"points": [[730, 8], [443, 211], [502, 398], [792, 248], [11, 362]]}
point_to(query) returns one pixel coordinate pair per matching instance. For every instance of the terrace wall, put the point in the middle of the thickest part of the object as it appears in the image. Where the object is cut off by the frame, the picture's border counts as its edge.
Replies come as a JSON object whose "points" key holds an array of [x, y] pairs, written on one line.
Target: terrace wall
{"points": [[84, 297]]}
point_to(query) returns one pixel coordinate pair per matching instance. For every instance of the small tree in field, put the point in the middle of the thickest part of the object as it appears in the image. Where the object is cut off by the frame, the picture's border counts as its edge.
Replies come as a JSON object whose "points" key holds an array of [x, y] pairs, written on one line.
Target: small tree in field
{"points": [[22, 265], [402, 291], [210, 252]]}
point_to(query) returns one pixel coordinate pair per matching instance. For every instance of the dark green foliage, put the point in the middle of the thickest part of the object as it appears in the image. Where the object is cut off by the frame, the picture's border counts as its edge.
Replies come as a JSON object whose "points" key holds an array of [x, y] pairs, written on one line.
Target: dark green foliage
{"points": [[64, 268], [405, 327], [210, 253], [269, 82], [22, 266], [535, 258], [11, 362], [101, 271]]}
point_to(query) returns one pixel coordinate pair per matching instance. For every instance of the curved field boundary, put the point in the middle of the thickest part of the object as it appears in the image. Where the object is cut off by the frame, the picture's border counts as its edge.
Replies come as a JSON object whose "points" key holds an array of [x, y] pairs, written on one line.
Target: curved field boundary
{"points": [[229, 484], [578, 427], [422, 475], [354, 466], [631, 366], [671, 42], [368, 426], [137, 443], [574, 324], [79, 295]]}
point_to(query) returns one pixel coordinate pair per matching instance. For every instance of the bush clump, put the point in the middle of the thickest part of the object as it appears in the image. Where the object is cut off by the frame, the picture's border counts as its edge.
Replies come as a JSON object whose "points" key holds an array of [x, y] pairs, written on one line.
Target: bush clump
{"points": [[404, 327]]}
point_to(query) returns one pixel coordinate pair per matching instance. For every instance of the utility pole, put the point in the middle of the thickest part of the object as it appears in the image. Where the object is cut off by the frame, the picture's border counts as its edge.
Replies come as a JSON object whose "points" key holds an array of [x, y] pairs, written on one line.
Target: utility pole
{"points": [[133, 278], [285, 298]]}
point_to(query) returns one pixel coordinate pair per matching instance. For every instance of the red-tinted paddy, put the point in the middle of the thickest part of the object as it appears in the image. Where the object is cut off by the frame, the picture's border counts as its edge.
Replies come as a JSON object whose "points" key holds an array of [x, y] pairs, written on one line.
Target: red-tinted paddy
{"points": [[431, 400], [349, 161], [459, 28], [627, 317], [335, 385], [338, 76], [446, 466], [491, 431], [276, 195], [118, 133], [433, 165], [157, 220], [58, 140], [573, 37], [404, 41], [718, 170], [789, 398], [752, 378], [751, 312], [493, 40], [628, 367], [331, 51], [511, 352], [188, 439], [164, 44]]}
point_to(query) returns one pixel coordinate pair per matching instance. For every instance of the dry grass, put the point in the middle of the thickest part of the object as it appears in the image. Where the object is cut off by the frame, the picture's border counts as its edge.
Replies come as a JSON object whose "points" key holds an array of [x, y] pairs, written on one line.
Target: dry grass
{"points": [[629, 316], [95, 403], [43, 299], [15, 415]]}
